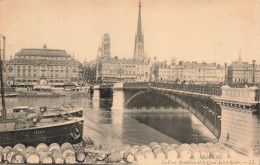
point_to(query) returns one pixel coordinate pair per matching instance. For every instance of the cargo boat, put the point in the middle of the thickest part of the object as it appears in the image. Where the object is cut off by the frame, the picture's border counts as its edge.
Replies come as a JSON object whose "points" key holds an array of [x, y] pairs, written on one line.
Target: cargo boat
{"points": [[46, 131]]}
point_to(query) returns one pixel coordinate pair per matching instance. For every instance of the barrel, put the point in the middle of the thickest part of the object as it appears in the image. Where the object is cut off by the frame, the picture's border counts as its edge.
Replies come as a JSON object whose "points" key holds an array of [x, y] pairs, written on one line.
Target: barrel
{"points": [[127, 147], [18, 157], [122, 151], [171, 154], [20, 147], [185, 146], [129, 157], [149, 155], [68, 154], [70, 158], [133, 150], [30, 148], [41, 146], [166, 148], [144, 148], [210, 145], [32, 156], [195, 154], [154, 145], [80, 156], [66, 151], [47, 158], [194, 146], [159, 154], [202, 145], [5, 151], [139, 156], [137, 147], [1, 156], [58, 158], [174, 146], [9, 155], [184, 153], [54, 146], [42, 152], [164, 145], [66, 145]]}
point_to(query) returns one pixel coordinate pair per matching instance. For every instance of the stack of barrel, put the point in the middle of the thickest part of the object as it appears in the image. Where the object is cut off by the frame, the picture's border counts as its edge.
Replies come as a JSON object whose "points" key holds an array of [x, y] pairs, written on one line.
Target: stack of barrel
{"points": [[39, 154], [155, 151], [87, 152]]}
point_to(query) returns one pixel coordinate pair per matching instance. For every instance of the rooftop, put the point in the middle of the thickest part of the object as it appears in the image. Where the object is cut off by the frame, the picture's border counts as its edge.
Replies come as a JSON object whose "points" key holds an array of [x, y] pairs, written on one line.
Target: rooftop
{"points": [[43, 52]]}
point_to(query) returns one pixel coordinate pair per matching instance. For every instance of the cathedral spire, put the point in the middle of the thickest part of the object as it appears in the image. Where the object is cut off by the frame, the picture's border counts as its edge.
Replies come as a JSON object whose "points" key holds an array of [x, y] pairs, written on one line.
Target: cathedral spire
{"points": [[139, 25], [139, 38]]}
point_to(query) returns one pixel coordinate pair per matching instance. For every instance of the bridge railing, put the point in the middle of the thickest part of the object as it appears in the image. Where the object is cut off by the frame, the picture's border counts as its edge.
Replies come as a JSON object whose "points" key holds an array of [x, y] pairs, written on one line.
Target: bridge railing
{"points": [[136, 85], [209, 89], [202, 89]]}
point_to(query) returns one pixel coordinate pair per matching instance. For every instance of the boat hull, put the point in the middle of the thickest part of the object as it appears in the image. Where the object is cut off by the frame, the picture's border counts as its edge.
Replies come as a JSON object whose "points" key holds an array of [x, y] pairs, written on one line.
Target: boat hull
{"points": [[60, 133]]}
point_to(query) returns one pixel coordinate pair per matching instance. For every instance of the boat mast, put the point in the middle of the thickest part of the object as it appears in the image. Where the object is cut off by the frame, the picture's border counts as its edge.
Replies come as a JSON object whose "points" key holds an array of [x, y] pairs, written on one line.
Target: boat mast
{"points": [[2, 82]]}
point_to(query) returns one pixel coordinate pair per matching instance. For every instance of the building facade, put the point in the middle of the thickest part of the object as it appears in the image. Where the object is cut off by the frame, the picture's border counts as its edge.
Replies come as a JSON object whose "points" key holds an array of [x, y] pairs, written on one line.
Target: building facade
{"points": [[189, 72], [113, 70], [242, 72], [89, 72], [48, 66]]}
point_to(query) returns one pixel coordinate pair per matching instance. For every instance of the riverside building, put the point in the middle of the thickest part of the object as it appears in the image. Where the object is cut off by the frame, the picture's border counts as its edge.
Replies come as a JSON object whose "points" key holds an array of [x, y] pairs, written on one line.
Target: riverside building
{"points": [[243, 72], [42, 66], [189, 72]]}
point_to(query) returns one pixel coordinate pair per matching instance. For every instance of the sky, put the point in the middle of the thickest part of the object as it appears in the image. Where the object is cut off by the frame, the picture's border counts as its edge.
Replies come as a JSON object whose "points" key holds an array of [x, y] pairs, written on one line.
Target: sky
{"points": [[189, 30]]}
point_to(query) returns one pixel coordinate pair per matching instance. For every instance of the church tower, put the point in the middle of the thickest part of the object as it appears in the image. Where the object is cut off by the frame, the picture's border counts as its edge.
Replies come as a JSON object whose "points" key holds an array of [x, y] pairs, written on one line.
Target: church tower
{"points": [[139, 39], [104, 49]]}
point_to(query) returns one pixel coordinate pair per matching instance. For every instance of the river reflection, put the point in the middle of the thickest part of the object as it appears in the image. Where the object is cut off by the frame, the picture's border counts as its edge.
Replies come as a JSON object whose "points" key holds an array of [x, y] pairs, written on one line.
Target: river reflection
{"points": [[110, 128]]}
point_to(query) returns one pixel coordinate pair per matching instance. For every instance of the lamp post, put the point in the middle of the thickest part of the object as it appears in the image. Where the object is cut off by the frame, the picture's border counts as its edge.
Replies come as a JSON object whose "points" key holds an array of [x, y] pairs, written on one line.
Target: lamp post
{"points": [[1, 77], [253, 79], [225, 72]]}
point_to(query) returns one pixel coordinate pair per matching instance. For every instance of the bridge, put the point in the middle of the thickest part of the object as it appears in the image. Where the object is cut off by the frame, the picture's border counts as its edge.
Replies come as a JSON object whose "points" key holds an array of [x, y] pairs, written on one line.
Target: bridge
{"points": [[231, 114]]}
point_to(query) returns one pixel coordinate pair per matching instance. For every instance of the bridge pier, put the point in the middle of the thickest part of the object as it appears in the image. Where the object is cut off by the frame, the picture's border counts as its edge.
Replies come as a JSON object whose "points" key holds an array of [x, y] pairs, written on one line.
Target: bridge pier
{"points": [[96, 94], [240, 128], [240, 121], [118, 101]]}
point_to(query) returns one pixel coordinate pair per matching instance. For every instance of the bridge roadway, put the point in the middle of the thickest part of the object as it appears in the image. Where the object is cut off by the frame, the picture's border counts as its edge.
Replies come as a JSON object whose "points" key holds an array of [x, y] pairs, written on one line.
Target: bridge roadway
{"points": [[231, 114]]}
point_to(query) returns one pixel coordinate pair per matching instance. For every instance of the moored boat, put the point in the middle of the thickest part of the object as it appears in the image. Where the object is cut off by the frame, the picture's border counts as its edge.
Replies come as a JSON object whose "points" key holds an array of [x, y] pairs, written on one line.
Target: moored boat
{"points": [[45, 131]]}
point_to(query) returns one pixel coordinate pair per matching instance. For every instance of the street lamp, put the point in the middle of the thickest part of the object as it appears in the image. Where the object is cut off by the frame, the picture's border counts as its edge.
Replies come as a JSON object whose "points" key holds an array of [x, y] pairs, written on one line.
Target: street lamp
{"points": [[253, 79], [225, 72], [1, 77], [3, 37]]}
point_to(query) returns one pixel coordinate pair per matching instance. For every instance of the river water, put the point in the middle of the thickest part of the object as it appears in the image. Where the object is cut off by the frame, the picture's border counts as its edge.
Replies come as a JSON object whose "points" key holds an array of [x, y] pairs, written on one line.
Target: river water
{"points": [[105, 127]]}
